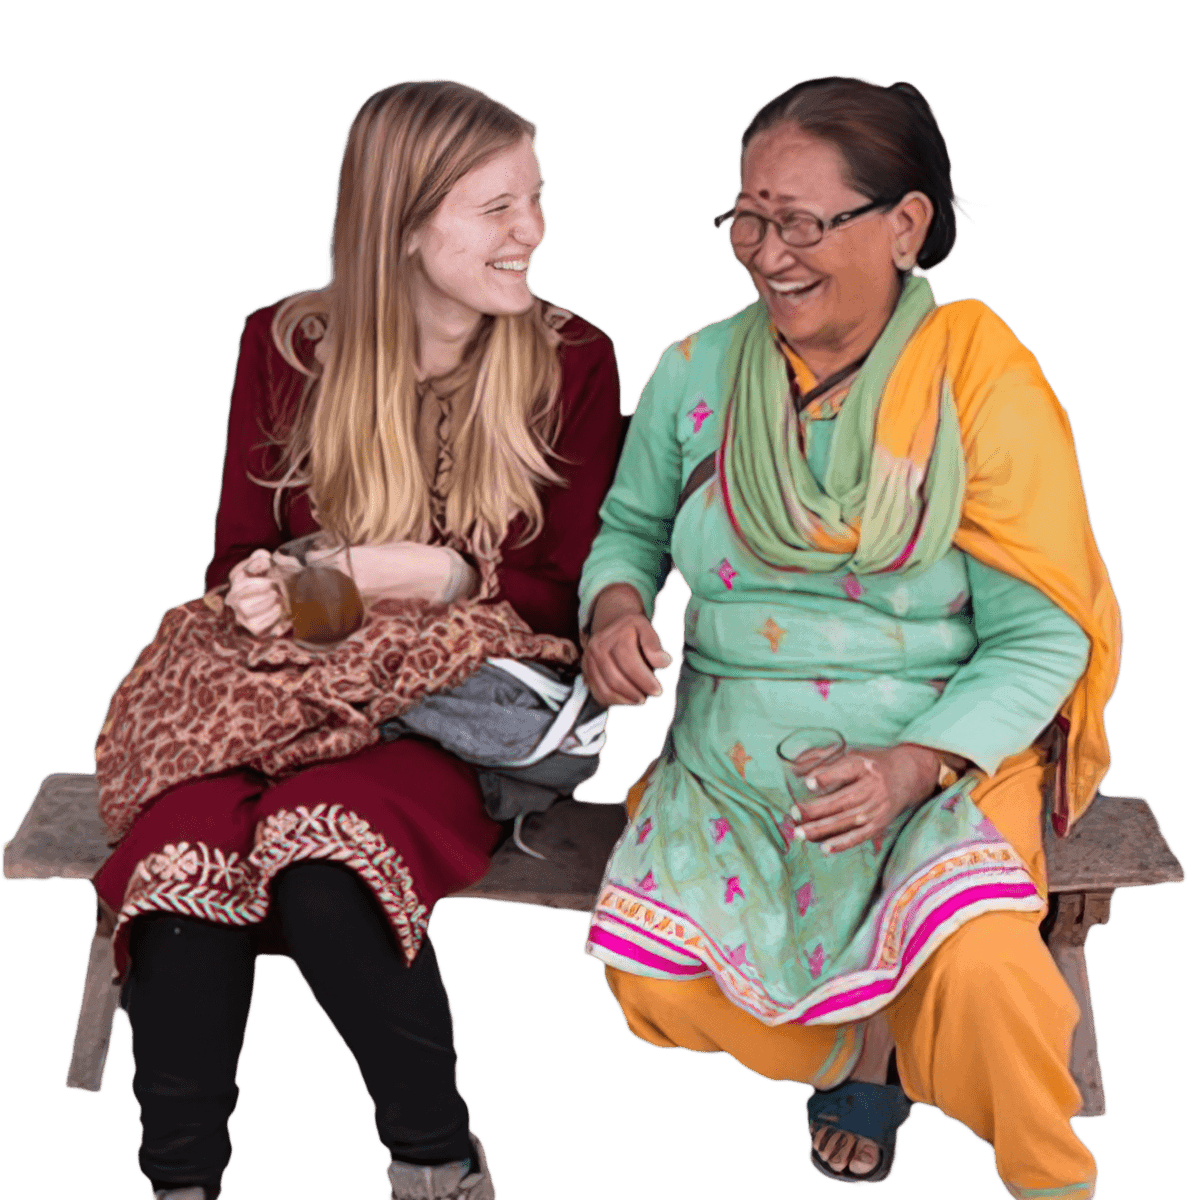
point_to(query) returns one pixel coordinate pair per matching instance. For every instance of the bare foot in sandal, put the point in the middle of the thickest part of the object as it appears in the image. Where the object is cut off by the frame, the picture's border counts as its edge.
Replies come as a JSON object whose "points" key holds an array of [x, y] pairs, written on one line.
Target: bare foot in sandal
{"points": [[845, 1151]]}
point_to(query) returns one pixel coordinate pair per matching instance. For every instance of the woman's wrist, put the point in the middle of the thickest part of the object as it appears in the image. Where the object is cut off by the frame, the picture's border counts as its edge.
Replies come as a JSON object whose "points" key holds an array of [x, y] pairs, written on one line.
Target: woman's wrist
{"points": [[947, 768], [927, 767], [615, 601]]}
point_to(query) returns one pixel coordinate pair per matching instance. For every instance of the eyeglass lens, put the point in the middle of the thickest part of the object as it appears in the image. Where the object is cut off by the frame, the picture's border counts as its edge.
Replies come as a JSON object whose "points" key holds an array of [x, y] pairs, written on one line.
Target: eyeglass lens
{"points": [[800, 229]]}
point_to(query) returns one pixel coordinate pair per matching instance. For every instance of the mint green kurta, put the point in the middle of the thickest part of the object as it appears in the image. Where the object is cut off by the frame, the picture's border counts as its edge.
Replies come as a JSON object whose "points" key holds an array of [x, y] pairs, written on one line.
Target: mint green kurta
{"points": [[958, 657]]}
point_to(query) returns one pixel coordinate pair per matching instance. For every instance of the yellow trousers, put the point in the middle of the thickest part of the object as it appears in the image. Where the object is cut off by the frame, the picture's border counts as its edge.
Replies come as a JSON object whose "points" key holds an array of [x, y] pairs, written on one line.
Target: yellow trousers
{"points": [[983, 1030]]}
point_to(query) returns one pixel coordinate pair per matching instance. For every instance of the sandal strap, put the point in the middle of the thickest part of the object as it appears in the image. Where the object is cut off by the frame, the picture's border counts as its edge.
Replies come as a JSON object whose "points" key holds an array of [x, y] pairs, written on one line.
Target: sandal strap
{"points": [[868, 1110]]}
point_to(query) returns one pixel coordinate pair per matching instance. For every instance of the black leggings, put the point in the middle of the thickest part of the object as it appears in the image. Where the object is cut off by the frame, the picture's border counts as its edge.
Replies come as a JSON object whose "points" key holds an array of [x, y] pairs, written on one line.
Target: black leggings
{"points": [[188, 997]]}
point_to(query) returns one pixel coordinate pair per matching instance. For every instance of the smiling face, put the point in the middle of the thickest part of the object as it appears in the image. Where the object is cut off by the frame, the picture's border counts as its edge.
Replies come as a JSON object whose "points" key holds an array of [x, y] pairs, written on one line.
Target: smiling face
{"points": [[472, 255], [830, 301]]}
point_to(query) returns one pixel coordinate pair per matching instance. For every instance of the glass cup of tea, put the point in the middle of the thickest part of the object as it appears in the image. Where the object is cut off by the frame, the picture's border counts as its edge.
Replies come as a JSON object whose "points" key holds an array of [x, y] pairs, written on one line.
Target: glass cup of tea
{"points": [[326, 607], [801, 753]]}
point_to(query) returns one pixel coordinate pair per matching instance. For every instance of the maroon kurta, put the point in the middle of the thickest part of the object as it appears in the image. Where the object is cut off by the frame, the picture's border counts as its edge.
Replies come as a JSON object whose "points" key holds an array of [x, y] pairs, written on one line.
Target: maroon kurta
{"points": [[406, 816]]}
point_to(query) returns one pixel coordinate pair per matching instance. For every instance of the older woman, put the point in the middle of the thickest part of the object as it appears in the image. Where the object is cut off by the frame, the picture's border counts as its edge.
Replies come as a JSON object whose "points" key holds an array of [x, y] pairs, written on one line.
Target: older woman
{"points": [[876, 504], [459, 434]]}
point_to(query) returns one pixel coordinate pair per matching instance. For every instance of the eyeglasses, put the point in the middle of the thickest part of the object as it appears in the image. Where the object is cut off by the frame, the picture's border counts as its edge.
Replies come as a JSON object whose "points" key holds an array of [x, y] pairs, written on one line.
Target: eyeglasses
{"points": [[800, 229]]}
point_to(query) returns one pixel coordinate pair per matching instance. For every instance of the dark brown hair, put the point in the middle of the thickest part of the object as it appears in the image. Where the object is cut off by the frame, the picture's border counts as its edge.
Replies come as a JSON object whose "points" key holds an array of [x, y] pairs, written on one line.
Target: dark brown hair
{"points": [[887, 136]]}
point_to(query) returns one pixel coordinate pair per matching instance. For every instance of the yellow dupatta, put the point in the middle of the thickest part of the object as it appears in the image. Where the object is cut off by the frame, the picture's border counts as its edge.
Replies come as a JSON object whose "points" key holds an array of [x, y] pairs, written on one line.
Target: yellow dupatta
{"points": [[1023, 508]]}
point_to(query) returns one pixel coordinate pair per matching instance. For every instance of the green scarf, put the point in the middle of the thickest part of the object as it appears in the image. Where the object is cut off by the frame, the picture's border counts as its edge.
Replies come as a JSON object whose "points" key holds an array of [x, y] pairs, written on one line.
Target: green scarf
{"points": [[879, 511]]}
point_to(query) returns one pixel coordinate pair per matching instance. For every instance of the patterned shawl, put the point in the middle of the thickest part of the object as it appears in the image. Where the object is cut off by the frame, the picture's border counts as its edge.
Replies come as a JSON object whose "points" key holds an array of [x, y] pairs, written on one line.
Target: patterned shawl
{"points": [[207, 696]]}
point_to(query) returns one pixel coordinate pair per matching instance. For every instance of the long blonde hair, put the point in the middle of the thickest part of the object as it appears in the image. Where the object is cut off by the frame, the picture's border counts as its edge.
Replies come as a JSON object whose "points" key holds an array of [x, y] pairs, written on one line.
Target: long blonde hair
{"points": [[353, 441]]}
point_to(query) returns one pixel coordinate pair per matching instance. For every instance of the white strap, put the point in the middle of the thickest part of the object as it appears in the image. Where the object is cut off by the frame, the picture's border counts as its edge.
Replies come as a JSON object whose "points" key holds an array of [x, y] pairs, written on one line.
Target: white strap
{"points": [[552, 691], [560, 727], [590, 736]]}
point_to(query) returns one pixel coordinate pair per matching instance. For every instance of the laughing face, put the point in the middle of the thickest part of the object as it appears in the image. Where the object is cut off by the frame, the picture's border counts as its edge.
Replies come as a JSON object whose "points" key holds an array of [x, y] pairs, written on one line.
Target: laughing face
{"points": [[829, 300], [473, 253]]}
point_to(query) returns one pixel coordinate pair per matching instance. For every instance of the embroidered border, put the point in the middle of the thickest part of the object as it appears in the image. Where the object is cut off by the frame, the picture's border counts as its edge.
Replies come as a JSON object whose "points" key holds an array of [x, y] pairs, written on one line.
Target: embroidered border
{"points": [[919, 917], [198, 880]]}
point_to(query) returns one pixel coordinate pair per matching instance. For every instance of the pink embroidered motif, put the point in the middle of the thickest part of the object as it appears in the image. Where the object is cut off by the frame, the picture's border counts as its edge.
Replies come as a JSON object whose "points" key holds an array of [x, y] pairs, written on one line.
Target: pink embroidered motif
{"points": [[950, 803], [643, 830], [787, 828], [699, 414], [816, 961], [720, 828], [852, 587], [804, 898], [737, 958], [647, 882], [733, 888], [823, 688], [726, 573]]}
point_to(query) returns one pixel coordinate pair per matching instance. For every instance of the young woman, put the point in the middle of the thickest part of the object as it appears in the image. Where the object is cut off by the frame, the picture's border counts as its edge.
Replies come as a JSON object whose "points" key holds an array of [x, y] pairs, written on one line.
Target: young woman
{"points": [[458, 434]]}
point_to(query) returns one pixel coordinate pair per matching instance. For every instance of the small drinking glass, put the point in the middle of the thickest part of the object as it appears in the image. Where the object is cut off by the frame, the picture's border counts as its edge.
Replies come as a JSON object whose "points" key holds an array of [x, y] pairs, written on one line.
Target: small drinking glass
{"points": [[801, 753], [325, 604], [326, 607]]}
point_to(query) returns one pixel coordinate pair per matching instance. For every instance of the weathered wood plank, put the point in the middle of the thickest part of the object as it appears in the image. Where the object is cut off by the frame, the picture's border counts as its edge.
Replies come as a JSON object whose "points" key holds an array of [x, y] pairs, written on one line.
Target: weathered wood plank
{"points": [[62, 835], [1117, 843], [576, 839], [1085, 1064], [1072, 915], [95, 1025]]}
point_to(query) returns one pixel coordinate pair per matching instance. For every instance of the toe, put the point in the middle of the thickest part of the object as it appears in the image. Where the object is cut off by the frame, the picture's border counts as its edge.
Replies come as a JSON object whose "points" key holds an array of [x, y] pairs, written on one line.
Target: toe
{"points": [[844, 1146], [864, 1160], [823, 1142]]}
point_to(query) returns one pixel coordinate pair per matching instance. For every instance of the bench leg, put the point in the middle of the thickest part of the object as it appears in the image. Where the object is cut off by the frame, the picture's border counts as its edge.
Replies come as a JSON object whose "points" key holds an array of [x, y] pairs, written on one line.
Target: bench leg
{"points": [[95, 1025], [1074, 915]]}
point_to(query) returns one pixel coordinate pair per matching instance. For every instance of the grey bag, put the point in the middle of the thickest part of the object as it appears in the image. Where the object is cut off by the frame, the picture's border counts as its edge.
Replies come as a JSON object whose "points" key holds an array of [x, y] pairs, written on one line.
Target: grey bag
{"points": [[534, 733]]}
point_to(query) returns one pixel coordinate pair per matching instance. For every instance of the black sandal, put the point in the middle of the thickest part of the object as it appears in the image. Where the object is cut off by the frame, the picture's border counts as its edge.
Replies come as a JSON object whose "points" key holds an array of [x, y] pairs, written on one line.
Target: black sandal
{"points": [[874, 1111]]}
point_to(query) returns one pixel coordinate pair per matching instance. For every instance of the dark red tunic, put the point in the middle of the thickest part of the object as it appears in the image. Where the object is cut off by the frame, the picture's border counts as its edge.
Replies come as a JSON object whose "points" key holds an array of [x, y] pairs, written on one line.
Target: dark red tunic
{"points": [[405, 815]]}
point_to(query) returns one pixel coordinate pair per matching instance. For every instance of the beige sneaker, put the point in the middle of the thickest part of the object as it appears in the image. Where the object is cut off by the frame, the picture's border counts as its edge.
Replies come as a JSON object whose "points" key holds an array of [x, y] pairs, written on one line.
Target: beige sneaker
{"points": [[446, 1182]]}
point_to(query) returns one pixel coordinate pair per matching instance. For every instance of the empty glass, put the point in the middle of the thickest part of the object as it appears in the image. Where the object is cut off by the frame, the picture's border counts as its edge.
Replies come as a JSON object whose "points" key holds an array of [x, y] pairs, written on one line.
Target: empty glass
{"points": [[801, 753]]}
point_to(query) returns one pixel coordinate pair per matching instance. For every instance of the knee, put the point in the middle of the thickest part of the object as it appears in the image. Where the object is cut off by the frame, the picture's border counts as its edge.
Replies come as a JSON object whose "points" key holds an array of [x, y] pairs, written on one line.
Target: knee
{"points": [[646, 1008], [997, 961]]}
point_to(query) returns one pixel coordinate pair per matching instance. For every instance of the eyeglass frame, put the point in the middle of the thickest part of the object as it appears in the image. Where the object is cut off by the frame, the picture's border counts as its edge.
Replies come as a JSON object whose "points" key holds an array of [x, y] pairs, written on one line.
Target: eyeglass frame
{"points": [[823, 227]]}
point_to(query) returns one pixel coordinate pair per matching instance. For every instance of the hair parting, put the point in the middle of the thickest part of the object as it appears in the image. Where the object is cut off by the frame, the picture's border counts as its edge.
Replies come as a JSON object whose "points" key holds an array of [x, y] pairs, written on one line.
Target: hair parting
{"points": [[888, 138]]}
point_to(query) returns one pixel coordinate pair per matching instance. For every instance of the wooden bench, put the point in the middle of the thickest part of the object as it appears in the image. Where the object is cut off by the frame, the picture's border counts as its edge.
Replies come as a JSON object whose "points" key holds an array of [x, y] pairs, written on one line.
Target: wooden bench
{"points": [[1116, 844]]}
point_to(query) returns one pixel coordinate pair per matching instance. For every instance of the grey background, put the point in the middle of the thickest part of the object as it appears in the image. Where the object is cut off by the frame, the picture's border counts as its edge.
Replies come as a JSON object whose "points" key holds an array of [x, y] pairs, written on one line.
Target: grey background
{"points": [[171, 168]]}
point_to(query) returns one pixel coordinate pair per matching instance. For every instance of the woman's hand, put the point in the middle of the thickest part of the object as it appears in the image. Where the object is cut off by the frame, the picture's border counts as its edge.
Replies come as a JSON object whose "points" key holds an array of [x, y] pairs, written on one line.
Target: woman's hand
{"points": [[623, 651], [256, 594], [871, 788]]}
